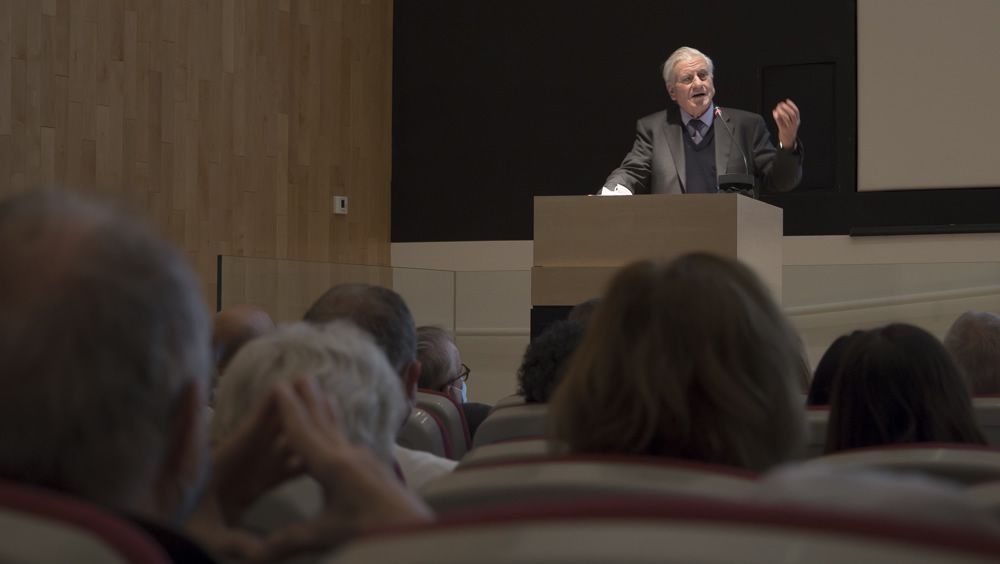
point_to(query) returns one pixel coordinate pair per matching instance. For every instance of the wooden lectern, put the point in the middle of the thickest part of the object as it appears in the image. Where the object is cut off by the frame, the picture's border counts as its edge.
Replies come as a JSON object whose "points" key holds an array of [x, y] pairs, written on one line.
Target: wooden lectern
{"points": [[581, 241]]}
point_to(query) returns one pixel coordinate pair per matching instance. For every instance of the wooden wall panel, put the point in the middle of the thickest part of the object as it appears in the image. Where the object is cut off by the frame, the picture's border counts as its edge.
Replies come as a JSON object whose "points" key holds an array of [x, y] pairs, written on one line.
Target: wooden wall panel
{"points": [[230, 124]]}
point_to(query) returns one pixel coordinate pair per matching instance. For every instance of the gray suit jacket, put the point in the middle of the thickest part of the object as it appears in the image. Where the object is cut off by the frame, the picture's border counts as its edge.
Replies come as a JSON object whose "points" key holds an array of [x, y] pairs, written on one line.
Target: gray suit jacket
{"points": [[656, 163]]}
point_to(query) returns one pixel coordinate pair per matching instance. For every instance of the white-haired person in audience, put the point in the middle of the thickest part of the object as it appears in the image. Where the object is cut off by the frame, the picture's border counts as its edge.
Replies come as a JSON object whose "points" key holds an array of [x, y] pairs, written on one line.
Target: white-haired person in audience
{"points": [[690, 359], [349, 369], [974, 342], [104, 340], [442, 370], [897, 384], [385, 316]]}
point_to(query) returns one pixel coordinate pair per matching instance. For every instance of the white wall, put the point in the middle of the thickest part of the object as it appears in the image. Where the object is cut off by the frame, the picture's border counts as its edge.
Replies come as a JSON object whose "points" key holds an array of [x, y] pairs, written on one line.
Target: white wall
{"points": [[927, 92], [492, 305], [832, 285]]}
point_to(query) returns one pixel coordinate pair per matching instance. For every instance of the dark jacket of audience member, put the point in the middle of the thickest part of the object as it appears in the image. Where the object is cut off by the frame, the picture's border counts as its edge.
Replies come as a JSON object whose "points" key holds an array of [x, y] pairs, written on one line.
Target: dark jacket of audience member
{"points": [[974, 342], [546, 358], [819, 389], [689, 359], [898, 384]]}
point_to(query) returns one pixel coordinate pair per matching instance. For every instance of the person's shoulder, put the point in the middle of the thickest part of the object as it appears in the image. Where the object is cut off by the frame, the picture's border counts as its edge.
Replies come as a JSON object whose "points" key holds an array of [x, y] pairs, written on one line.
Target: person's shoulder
{"points": [[655, 117]]}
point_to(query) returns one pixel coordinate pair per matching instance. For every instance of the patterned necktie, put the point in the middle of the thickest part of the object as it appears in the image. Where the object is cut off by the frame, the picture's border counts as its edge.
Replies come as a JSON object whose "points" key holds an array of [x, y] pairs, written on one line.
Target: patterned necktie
{"points": [[696, 125]]}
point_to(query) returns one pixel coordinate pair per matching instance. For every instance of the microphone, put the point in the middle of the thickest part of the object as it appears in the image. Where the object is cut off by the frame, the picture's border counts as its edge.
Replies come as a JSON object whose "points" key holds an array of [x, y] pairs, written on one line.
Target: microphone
{"points": [[742, 183]]}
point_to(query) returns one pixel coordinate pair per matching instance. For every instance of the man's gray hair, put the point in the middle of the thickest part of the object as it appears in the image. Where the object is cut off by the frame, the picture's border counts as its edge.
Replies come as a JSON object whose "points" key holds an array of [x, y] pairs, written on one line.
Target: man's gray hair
{"points": [[345, 362], [974, 342], [680, 55], [103, 327], [379, 311], [437, 364]]}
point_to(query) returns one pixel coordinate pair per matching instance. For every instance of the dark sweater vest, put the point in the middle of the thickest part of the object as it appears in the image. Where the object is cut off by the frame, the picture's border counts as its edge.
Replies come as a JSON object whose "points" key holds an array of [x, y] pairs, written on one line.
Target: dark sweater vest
{"points": [[699, 160]]}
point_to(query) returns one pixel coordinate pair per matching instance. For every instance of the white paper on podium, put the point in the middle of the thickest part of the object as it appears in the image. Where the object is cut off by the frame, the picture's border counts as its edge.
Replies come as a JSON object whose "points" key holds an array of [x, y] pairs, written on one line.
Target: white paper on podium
{"points": [[618, 190]]}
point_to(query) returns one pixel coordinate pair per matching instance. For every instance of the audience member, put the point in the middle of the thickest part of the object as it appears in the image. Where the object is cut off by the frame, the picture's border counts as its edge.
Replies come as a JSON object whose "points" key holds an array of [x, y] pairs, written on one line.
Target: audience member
{"points": [[441, 367], [349, 369], [898, 384], [545, 360], [974, 342], [819, 388], [343, 359], [689, 359], [233, 327], [442, 370], [384, 315], [104, 341]]}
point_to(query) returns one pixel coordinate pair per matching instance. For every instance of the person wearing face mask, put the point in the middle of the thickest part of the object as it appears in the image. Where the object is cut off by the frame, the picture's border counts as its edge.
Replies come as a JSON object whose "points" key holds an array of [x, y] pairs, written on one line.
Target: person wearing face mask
{"points": [[687, 147], [442, 370]]}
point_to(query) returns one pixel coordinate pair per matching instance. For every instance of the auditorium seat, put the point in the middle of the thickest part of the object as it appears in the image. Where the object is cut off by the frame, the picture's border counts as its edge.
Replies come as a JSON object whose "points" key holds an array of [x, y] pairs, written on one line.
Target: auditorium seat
{"points": [[509, 401], [512, 423], [572, 476], [450, 415], [816, 421], [423, 431], [668, 530], [987, 410], [986, 494], [514, 449], [41, 526], [962, 463]]}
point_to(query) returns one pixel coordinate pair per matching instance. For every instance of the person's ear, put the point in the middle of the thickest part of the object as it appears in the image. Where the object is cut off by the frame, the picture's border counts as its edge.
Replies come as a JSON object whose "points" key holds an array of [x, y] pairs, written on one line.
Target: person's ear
{"points": [[670, 91], [185, 449], [411, 376]]}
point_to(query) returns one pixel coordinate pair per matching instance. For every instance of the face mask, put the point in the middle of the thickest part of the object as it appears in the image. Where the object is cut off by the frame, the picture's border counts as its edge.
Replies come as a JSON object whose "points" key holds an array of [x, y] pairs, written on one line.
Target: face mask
{"points": [[465, 392]]}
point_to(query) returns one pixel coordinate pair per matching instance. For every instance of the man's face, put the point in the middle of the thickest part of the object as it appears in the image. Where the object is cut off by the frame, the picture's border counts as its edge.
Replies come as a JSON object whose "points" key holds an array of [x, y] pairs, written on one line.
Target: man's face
{"points": [[455, 386], [692, 87]]}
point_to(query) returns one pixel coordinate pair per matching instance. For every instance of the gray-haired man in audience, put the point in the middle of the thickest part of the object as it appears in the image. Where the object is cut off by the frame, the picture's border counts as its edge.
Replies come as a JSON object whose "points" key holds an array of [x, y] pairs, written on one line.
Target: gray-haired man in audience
{"points": [[104, 341], [442, 370]]}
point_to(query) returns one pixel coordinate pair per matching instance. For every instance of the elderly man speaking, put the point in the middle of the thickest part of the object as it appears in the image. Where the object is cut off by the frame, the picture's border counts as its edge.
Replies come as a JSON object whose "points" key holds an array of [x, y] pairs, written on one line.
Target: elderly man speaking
{"points": [[695, 146]]}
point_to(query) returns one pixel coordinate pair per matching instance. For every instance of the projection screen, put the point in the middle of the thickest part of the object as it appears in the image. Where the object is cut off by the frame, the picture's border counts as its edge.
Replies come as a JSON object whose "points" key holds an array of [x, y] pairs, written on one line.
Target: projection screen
{"points": [[928, 94]]}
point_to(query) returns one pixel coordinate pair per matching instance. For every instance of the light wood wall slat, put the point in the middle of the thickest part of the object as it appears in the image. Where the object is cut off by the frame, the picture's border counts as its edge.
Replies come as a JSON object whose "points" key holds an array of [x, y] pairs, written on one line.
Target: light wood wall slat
{"points": [[230, 124]]}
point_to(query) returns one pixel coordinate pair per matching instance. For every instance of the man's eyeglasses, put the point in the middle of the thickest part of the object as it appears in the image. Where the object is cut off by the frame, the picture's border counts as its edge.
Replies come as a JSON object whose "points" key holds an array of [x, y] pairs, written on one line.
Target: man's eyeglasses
{"points": [[463, 376]]}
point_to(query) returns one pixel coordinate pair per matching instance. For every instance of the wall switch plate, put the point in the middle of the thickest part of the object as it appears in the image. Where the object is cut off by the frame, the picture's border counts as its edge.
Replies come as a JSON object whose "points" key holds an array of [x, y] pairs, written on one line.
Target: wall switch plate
{"points": [[340, 204]]}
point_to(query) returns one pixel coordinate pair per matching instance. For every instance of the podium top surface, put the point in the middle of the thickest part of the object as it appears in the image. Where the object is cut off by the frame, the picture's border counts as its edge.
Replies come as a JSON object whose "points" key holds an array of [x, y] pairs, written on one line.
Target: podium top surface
{"points": [[587, 231]]}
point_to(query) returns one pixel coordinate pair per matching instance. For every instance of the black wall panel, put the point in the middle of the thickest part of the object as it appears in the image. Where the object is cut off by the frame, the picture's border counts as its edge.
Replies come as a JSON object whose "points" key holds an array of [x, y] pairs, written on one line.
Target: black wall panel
{"points": [[495, 102]]}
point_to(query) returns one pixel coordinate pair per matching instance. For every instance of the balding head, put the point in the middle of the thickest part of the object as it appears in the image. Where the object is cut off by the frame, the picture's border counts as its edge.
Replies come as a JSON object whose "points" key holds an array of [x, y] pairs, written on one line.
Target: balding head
{"points": [[104, 344], [379, 311], [234, 326], [384, 315]]}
